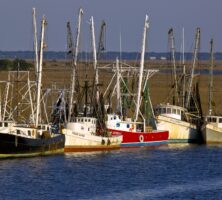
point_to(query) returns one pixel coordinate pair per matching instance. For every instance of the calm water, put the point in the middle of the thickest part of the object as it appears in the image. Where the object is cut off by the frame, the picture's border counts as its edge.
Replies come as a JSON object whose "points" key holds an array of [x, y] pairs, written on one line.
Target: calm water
{"points": [[169, 172]]}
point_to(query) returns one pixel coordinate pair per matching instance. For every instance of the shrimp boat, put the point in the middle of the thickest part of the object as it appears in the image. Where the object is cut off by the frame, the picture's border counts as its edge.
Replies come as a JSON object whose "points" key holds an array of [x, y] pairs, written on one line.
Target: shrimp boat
{"points": [[82, 132], [212, 127], [29, 139], [182, 118], [135, 134], [81, 135], [136, 131], [25, 141], [176, 119], [212, 130]]}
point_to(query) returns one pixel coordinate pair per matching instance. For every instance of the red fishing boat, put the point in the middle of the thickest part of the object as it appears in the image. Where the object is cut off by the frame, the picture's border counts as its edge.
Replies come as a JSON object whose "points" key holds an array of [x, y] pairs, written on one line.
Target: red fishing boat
{"points": [[136, 131]]}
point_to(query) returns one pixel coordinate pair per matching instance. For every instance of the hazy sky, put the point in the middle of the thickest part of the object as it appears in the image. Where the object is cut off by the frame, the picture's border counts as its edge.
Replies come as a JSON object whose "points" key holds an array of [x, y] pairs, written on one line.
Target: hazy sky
{"points": [[123, 17]]}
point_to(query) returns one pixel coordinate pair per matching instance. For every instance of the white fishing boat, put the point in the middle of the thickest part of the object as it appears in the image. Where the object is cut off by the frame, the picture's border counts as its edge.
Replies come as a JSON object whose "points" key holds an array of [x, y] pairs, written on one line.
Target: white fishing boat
{"points": [[177, 121], [212, 130], [212, 127], [82, 132], [81, 135], [182, 117]]}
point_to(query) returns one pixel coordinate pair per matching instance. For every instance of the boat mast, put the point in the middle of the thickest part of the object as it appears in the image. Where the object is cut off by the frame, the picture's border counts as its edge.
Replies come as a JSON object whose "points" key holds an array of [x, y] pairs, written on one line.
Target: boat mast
{"points": [[74, 59], [94, 58], [35, 40], [196, 48], [172, 48], [184, 70], [146, 26], [0, 104], [118, 92], [211, 78], [39, 71], [101, 46]]}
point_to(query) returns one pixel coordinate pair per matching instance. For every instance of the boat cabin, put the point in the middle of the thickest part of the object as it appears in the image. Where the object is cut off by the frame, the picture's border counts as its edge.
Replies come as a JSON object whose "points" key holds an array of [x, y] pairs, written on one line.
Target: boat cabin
{"points": [[168, 110], [215, 120], [114, 122], [83, 125], [6, 126]]}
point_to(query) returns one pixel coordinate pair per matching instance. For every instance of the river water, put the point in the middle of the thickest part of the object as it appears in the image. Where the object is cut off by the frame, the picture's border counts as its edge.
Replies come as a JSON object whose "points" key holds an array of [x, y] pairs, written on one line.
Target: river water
{"points": [[168, 172]]}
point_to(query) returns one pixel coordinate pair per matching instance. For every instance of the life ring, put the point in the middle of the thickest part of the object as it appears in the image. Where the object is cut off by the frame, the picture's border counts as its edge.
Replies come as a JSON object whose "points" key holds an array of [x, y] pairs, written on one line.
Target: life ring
{"points": [[141, 138]]}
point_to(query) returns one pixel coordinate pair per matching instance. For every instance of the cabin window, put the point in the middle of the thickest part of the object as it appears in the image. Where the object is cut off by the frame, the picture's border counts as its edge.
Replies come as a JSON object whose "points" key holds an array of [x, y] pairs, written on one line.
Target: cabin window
{"points": [[29, 133], [178, 111], [214, 120], [174, 111], [111, 118], [168, 110], [0, 124], [182, 113], [114, 117], [163, 110], [209, 119], [85, 120], [157, 110], [81, 120], [117, 124], [220, 120], [127, 126], [6, 124], [43, 127], [18, 131], [88, 120]]}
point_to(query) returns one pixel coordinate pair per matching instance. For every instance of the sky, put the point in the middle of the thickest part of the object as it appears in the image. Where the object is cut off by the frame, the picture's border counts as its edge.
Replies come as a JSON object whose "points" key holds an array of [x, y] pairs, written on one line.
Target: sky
{"points": [[124, 19]]}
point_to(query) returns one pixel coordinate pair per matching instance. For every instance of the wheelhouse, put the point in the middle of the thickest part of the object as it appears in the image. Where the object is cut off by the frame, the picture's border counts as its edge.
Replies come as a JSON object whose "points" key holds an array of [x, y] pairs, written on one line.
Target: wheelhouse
{"points": [[217, 120], [172, 111]]}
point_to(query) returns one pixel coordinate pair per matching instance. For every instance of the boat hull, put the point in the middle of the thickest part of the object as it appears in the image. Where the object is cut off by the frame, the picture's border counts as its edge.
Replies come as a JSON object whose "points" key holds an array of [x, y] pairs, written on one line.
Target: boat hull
{"points": [[18, 146], [179, 131], [212, 134], [75, 142], [139, 139]]}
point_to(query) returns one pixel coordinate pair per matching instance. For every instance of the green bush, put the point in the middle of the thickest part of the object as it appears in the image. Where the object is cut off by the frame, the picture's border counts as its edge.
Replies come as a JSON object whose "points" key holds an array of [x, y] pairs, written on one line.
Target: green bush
{"points": [[14, 65]]}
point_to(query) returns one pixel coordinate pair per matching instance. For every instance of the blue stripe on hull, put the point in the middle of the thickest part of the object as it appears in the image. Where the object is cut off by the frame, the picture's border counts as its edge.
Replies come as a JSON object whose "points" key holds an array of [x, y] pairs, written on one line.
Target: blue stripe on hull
{"points": [[141, 144], [183, 141]]}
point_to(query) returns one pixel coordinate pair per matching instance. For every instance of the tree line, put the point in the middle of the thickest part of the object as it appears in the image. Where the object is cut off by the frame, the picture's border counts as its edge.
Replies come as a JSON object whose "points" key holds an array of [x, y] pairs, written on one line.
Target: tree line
{"points": [[14, 65]]}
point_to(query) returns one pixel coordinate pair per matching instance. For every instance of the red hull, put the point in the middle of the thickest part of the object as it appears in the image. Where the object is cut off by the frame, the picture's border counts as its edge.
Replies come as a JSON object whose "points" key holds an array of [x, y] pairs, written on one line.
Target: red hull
{"points": [[142, 139]]}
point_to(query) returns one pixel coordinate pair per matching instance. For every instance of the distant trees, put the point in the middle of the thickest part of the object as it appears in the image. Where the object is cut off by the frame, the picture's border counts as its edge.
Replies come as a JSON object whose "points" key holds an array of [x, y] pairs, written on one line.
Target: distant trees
{"points": [[14, 65]]}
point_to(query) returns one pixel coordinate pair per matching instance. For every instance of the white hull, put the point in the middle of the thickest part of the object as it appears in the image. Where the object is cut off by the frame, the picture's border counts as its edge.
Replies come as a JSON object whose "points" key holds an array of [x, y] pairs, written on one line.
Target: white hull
{"points": [[179, 131], [75, 141], [212, 134]]}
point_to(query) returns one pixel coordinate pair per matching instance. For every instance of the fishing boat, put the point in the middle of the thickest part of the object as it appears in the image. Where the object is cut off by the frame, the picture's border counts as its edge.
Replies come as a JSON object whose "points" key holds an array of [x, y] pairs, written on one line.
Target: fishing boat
{"points": [[136, 131], [82, 135], [212, 130], [135, 134], [182, 127], [212, 127], [30, 139], [25, 141], [182, 117], [81, 130]]}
